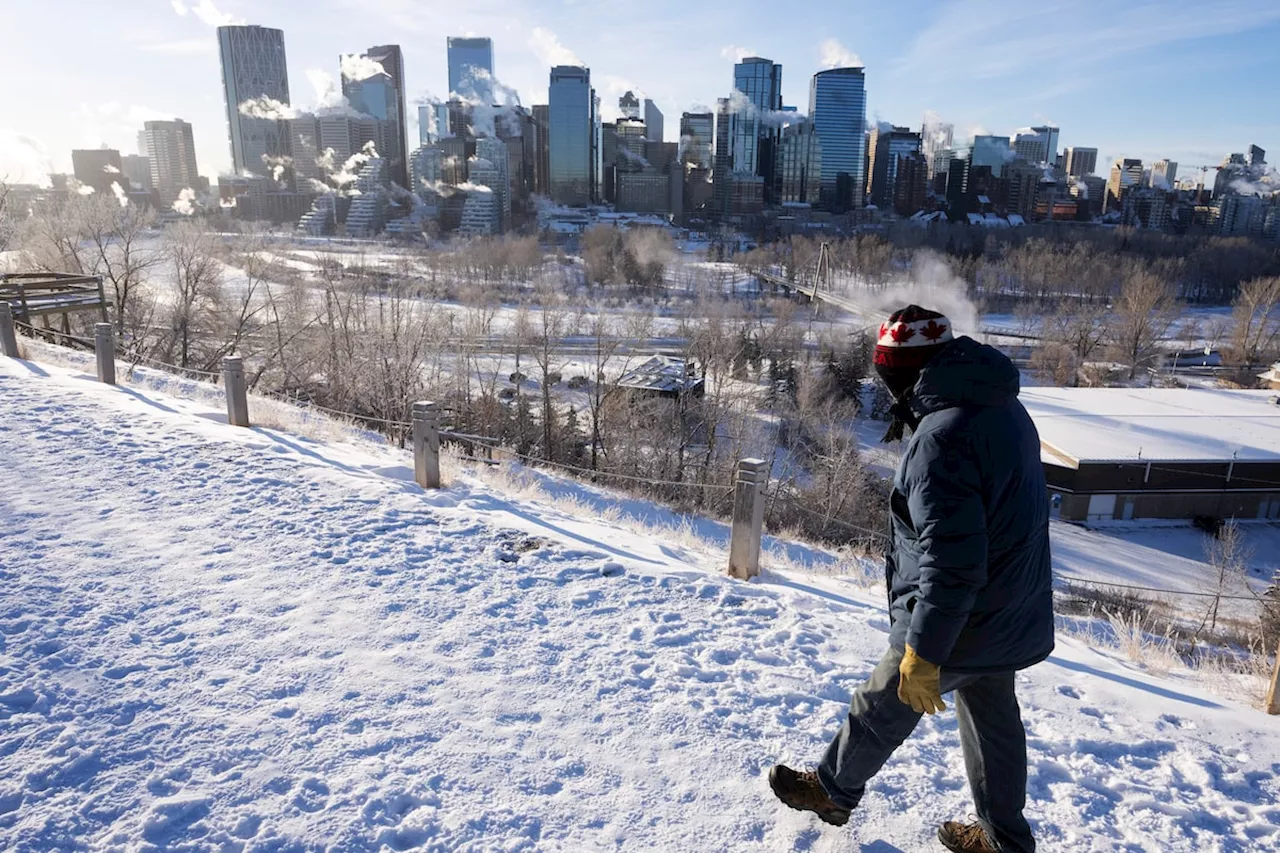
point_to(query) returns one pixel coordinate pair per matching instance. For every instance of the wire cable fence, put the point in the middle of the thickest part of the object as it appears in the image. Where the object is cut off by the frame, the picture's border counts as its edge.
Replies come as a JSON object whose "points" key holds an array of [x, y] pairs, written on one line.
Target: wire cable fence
{"points": [[786, 504], [49, 334]]}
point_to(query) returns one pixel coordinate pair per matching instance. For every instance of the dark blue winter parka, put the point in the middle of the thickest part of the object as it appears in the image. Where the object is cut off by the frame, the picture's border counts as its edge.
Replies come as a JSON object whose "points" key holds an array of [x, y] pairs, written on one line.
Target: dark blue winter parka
{"points": [[968, 574]]}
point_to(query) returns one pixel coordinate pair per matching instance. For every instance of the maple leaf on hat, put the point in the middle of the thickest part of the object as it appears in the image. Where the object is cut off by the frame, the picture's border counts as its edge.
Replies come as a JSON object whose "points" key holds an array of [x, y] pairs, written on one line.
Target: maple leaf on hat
{"points": [[934, 330], [902, 333]]}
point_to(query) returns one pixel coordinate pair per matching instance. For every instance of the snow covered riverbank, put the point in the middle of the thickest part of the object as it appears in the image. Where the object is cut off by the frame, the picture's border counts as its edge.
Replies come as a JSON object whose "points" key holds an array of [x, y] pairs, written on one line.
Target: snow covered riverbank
{"points": [[220, 639]]}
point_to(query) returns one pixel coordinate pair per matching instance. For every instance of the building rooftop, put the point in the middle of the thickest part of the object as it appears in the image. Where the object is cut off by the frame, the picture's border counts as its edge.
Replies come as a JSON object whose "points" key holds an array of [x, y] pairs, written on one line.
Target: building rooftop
{"points": [[1154, 424], [661, 374]]}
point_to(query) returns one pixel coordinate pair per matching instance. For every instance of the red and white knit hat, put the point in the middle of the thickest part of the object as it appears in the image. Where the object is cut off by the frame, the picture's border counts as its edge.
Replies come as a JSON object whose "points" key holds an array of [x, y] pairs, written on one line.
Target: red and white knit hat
{"points": [[911, 337]]}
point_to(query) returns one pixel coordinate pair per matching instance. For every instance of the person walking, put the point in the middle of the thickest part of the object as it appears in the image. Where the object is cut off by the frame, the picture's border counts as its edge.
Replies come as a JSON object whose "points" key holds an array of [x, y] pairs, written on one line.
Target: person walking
{"points": [[968, 577]]}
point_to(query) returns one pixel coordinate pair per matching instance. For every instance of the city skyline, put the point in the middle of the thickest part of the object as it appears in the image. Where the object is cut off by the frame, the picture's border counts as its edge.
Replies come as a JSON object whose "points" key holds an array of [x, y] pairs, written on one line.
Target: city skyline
{"points": [[915, 63]]}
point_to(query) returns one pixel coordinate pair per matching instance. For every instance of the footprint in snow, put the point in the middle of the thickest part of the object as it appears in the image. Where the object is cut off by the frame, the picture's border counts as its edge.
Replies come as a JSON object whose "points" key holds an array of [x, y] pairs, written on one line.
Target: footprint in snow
{"points": [[312, 796]]}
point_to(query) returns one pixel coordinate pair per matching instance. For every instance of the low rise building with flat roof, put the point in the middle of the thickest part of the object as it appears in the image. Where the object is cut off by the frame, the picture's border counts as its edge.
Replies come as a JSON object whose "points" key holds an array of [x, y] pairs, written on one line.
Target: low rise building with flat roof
{"points": [[1120, 454]]}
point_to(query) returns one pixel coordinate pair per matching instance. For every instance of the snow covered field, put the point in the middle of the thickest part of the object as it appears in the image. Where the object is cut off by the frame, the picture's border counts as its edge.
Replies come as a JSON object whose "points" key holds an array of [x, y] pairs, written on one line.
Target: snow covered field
{"points": [[224, 640]]}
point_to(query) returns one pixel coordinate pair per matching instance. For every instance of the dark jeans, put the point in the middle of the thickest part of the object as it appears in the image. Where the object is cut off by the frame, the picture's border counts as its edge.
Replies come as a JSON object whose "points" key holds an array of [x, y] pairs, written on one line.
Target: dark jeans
{"points": [[991, 736]]}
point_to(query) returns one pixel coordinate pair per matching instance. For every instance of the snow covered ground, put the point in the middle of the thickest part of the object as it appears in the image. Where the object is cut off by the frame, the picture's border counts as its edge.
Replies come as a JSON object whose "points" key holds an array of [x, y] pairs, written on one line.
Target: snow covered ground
{"points": [[1171, 558], [234, 640]]}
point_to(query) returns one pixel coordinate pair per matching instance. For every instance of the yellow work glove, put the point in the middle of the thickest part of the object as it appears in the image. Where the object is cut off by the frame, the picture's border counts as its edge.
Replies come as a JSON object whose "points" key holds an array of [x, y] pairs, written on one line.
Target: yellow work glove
{"points": [[918, 684]]}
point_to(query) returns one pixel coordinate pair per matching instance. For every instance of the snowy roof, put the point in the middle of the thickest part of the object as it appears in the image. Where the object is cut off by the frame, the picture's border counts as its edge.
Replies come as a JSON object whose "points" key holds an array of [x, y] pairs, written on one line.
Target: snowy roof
{"points": [[662, 374], [1160, 424]]}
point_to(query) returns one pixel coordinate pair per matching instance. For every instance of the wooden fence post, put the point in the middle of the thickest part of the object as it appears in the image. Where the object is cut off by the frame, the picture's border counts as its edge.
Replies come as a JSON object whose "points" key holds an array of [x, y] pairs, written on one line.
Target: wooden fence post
{"points": [[748, 518], [8, 338], [1273, 695], [237, 391], [104, 345], [426, 445]]}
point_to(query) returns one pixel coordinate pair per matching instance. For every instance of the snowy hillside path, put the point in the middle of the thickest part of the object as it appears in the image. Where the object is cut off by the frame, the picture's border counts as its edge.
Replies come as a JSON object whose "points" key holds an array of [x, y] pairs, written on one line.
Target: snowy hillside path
{"points": [[217, 640]]}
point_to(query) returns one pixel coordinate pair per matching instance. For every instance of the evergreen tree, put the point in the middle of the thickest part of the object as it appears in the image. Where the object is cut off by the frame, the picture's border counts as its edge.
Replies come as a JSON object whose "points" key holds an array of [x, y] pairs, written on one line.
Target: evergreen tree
{"points": [[573, 441]]}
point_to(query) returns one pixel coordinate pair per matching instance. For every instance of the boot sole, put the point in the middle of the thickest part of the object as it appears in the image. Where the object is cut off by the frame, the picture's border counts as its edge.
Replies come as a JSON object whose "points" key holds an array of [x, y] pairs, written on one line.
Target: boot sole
{"points": [[832, 819]]}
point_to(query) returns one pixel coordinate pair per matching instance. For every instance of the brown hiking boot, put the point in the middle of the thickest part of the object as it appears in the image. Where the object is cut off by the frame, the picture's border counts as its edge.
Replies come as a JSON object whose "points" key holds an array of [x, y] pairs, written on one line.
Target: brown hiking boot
{"points": [[802, 791], [966, 838]]}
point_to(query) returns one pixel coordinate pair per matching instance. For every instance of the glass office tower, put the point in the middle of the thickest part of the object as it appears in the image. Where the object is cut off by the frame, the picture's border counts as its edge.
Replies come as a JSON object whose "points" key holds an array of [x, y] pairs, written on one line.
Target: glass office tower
{"points": [[382, 96], [992, 152], [573, 124], [838, 110], [253, 66], [754, 133], [466, 56], [697, 136]]}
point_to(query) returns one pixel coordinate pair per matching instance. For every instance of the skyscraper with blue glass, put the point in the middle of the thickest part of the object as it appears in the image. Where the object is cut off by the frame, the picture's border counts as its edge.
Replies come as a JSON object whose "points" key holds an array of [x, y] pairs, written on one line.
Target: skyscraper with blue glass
{"points": [[470, 63], [381, 95], [755, 128], [838, 110], [573, 136]]}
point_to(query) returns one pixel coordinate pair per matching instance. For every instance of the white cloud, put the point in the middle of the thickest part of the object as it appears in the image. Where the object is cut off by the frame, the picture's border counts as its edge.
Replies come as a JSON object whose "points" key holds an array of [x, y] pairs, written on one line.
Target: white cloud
{"points": [[549, 50], [23, 160], [836, 55], [120, 194], [735, 52], [180, 47], [611, 89], [357, 67], [742, 105], [209, 14], [115, 124], [268, 108], [186, 202], [329, 100]]}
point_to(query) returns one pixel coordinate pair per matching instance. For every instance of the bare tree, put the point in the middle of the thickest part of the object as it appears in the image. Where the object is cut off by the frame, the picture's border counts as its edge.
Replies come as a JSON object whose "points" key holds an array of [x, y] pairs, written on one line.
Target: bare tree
{"points": [[1070, 337], [548, 330], [52, 239], [396, 337], [121, 251], [1229, 556], [8, 216], [609, 337], [196, 283], [601, 247], [1142, 316], [1257, 321]]}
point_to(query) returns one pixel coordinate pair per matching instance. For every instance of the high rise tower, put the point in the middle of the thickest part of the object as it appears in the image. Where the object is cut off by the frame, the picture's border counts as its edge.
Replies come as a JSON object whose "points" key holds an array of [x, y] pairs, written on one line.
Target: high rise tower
{"points": [[838, 110], [653, 121], [1164, 174], [470, 67], [1081, 161], [754, 131], [380, 94], [171, 148], [1037, 144], [573, 122], [888, 147], [253, 66]]}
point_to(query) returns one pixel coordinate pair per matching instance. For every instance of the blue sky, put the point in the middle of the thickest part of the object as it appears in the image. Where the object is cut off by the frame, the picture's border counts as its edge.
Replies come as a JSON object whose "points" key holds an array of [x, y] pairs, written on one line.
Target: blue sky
{"points": [[1190, 81]]}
